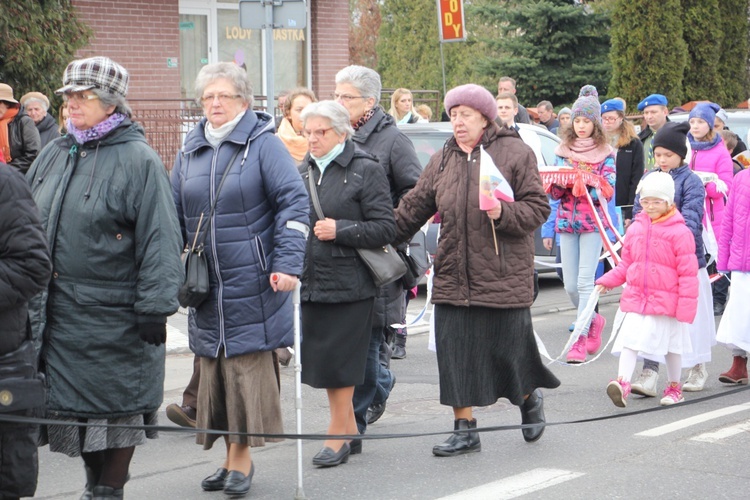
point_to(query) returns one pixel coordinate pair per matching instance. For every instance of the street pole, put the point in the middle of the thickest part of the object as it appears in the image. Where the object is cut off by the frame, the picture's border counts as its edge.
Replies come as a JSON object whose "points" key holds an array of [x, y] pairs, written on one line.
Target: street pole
{"points": [[269, 58]]}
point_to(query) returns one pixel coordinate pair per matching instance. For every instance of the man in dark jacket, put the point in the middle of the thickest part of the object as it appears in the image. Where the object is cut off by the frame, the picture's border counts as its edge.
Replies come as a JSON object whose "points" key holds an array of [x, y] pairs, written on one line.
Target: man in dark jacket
{"points": [[358, 90], [24, 271], [23, 141], [508, 84]]}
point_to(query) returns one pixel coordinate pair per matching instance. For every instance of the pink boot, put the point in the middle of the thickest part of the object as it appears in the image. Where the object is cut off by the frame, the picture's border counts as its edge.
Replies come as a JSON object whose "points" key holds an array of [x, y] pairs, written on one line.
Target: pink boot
{"points": [[577, 352], [618, 391], [594, 340]]}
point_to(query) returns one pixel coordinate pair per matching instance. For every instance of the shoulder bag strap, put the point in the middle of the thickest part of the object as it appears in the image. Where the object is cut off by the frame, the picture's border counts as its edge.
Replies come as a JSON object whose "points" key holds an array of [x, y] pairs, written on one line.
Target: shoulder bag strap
{"points": [[218, 190], [314, 193]]}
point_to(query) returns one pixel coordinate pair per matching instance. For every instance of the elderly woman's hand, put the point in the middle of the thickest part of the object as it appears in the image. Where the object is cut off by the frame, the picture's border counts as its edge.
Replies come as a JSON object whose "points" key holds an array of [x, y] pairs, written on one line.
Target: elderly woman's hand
{"points": [[281, 282], [494, 213], [325, 230]]}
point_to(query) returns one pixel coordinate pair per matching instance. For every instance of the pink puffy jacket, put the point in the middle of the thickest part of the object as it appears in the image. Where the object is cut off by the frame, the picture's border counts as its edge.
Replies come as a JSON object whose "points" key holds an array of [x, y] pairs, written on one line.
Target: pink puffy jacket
{"points": [[660, 269], [715, 160], [734, 245]]}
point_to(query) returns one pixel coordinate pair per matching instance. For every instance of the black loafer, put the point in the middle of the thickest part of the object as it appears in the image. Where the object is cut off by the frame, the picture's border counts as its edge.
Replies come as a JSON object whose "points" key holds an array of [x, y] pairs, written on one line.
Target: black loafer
{"points": [[329, 458], [532, 412], [215, 482], [237, 484]]}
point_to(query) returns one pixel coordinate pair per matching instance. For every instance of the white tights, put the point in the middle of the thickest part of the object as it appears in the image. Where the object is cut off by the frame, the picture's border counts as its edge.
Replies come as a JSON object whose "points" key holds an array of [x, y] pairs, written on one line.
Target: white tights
{"points": [[629, 357]]}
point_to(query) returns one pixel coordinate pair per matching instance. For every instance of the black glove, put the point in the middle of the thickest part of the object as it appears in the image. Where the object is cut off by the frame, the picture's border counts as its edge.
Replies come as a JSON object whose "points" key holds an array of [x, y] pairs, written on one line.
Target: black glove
{"points": [[153, 333]]}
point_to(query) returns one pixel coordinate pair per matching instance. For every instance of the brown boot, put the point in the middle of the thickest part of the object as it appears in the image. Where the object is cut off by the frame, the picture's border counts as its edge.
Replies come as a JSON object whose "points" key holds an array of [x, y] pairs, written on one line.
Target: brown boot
{"points": [[737, 374]]}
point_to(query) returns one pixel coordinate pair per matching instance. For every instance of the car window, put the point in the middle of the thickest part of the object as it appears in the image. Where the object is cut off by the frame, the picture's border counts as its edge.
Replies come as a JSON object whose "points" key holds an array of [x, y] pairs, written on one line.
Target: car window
{"points": [[548, 149]]}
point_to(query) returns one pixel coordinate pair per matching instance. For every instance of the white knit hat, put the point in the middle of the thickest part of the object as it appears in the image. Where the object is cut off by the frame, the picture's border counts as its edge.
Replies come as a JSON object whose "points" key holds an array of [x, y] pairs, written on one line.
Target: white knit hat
{"points": [[657, 185]]}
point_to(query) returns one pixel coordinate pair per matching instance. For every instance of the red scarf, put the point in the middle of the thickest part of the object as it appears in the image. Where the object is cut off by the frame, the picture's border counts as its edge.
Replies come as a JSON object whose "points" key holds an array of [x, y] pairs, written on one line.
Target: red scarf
{"points": [[4, 138]]}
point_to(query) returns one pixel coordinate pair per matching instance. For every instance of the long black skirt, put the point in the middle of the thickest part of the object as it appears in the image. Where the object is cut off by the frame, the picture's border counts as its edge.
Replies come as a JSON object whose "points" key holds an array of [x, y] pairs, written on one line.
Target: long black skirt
{"points": [[335, 339], [485, 354]]}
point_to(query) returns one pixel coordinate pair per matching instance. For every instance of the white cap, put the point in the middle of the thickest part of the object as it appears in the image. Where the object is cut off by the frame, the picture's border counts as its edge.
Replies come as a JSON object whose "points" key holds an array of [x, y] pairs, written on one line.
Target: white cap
{"points": [[657, 185]]}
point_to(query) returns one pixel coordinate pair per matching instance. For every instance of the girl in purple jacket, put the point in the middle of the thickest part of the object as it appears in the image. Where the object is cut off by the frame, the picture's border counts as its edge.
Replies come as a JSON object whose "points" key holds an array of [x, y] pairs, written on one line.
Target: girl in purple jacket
{"points": [[661, 297], [584, 146], [734, 255]]}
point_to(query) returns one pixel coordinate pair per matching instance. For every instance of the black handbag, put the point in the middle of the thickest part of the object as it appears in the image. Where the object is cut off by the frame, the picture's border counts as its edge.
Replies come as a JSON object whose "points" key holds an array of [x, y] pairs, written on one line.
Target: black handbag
{"points": [[384, 264], [417, 260], [195, 289]]}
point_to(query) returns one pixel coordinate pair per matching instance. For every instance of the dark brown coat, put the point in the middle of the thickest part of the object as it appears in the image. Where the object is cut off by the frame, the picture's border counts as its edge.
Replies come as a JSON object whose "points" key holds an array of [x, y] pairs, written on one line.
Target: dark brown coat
{"points": [[467, 271]]}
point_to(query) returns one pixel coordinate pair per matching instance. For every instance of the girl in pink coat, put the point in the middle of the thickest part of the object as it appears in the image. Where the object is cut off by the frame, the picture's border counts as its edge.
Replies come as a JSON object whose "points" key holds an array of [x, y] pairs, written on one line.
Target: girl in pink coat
{"points": [[710, 155], [661, 297], [734, 255]]}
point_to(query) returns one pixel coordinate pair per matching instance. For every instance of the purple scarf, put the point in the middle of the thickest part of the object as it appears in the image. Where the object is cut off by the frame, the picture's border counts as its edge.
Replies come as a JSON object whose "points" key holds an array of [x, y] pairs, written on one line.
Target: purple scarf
{"points": [[703, 145], [97, 131]]}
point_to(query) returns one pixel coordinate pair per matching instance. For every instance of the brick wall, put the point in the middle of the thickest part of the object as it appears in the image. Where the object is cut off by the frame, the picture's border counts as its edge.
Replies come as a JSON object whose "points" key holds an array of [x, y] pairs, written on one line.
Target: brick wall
{"points": [[329, 33], [140, 35]]}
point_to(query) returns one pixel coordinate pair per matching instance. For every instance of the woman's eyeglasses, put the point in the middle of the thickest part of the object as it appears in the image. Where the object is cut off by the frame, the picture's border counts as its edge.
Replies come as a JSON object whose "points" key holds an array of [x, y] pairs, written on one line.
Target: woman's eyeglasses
{"points": [[79, 98], [223, 98], [345, 97], [319, 134]]}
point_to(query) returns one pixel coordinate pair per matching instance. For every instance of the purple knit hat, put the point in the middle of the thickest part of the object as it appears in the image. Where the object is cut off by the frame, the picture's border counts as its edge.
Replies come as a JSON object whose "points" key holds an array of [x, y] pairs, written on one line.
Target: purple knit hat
{"points": [[587, 105], [706, 111], [473, 96]]}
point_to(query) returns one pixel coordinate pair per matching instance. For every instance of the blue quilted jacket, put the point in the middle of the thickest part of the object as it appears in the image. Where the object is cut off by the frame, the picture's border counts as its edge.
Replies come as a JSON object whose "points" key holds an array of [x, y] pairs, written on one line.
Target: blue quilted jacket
{"points": [[259, 227], [689, 194]]}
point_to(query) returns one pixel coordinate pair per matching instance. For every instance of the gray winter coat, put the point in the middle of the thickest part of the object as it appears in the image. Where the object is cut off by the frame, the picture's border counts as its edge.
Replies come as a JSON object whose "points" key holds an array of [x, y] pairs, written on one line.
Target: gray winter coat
{"points": [[115, 244]]}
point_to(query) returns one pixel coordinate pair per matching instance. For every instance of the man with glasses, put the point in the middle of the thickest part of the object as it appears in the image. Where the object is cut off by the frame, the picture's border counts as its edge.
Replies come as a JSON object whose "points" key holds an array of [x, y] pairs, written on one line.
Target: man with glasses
{"points": [[358, 90]]}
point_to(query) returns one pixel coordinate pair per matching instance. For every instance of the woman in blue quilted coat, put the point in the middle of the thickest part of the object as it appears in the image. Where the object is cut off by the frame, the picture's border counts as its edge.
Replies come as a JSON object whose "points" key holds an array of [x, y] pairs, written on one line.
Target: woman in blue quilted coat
{"points": [[255, 244]]}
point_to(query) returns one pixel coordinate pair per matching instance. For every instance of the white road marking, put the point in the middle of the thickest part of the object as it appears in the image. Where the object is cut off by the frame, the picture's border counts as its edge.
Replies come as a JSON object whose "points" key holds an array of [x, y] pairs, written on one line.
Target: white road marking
{"points": [[733, 430], [516, 486], [687, 422]]}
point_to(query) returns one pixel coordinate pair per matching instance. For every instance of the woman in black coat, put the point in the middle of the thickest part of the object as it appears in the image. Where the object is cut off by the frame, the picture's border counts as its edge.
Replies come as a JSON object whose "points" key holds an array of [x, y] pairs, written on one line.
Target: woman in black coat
{"points": [[24, 271], [338, 294], [629, 160]]}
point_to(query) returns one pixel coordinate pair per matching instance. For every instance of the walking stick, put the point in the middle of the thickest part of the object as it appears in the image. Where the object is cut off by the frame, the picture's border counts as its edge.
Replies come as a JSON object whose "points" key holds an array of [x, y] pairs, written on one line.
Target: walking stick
{"points": [[300, 493]]}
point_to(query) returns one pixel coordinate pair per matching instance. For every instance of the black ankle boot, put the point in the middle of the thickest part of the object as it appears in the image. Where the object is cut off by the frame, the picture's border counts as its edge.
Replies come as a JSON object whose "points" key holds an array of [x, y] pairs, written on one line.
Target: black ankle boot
{"points": [[532, 412], [458, 444], [91, 480], [107, 493], [399, 346]]}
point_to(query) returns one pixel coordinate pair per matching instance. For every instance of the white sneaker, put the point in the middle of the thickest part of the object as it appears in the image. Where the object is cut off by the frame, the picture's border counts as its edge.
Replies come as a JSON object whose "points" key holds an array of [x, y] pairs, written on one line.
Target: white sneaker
{"points": [[645, 384], [696, 378]]}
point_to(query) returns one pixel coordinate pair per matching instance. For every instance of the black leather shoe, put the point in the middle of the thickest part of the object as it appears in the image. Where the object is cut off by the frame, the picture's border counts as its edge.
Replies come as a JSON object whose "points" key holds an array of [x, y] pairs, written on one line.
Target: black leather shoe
{"points": [[329, 458], [376, 410], [532, 412], [237, 484], [459, 444], [215, 482], [107, 493], [355, 446], [91, 480]]}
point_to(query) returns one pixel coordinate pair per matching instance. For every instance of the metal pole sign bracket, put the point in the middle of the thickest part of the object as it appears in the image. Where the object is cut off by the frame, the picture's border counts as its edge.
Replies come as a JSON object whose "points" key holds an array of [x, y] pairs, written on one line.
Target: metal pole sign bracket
{"points": [[286, 14]]}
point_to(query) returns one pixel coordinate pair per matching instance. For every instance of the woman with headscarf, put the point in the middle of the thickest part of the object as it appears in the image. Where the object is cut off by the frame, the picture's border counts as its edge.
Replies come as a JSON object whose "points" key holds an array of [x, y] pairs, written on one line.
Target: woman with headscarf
{"points": [[115, 243], [482, 292]]}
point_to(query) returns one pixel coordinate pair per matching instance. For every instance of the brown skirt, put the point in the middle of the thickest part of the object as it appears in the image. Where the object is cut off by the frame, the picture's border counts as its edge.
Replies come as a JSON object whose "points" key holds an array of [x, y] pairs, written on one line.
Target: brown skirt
{"points": [[239, 394]]}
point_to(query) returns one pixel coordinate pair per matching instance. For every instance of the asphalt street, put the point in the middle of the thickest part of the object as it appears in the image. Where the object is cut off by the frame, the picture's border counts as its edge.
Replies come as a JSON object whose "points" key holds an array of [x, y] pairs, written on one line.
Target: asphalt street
{"points": [[591, 449]]}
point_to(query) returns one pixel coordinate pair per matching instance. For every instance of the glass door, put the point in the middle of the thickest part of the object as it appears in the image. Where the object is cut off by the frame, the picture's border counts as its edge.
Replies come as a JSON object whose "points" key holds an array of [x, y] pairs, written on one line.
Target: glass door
{"points": [[194, 48]]}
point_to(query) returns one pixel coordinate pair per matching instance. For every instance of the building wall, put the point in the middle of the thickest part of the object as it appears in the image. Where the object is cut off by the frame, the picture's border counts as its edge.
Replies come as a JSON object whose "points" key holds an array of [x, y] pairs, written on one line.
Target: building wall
{"points": [[330, 38], [140, 35]]}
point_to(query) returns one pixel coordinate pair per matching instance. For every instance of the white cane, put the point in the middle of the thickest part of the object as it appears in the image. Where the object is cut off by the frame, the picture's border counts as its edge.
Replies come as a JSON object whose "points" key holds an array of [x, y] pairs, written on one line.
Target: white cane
{"points": [[300, 493]]}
